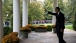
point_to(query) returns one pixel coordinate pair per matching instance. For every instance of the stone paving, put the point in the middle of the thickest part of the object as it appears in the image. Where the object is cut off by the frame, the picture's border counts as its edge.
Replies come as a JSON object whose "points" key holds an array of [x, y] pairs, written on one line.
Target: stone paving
{"points": [[49, 37]]}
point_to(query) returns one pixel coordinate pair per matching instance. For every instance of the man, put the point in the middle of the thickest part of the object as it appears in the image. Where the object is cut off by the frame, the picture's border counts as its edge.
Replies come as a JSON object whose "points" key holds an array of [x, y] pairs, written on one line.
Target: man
{"points": [[60, 24]]}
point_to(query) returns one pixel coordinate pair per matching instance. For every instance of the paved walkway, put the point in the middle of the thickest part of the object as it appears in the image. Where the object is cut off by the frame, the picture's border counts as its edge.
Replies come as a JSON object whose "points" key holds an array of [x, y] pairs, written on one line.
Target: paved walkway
{"points": [[49, 37]]}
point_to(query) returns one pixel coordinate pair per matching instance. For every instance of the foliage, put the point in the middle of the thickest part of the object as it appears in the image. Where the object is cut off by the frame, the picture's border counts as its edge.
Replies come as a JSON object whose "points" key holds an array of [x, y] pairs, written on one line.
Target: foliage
{"points": [[35, 11], [53, 26], [13, 33], [25, 29], [61, 5], [70, 10], [74, 23], [8, 11], [7, 30], [48, 5], [72, 13], [29, 25], [11, 38], [40, 27], [49, 28], [33, 27]]}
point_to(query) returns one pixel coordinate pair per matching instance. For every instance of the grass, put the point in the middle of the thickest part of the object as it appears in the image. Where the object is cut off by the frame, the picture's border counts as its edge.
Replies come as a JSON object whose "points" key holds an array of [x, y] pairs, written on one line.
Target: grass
{"points": [[66, 26], [69, 26]]}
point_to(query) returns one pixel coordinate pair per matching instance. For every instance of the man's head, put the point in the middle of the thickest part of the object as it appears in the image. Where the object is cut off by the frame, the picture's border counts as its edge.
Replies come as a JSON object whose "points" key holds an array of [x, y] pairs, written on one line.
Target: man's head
{"points": [[57, 9]]}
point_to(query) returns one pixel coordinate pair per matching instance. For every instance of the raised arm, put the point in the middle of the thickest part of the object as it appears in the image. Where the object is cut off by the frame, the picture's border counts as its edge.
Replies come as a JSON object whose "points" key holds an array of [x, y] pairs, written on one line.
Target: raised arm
{"points": [[51, 13]]}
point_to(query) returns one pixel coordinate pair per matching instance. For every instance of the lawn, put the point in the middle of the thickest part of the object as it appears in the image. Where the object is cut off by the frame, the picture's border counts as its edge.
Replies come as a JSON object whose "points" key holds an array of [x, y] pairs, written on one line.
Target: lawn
{"points": [[69, 27]]}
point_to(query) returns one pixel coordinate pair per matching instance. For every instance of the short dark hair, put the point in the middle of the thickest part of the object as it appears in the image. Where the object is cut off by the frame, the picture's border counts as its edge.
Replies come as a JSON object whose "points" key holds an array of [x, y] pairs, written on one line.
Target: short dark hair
{"points": [[57, 8]]}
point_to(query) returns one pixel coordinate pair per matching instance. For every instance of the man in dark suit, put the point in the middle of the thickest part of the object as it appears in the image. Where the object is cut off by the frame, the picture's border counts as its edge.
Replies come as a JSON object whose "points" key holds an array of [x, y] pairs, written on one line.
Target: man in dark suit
{"points": [[60, 24]]}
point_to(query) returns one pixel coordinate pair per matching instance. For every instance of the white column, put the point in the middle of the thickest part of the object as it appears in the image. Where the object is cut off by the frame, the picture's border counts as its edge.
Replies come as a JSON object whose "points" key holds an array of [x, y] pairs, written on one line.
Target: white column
{"points": [[55, 4], [1, 21], [25, 13], [16, 16]]}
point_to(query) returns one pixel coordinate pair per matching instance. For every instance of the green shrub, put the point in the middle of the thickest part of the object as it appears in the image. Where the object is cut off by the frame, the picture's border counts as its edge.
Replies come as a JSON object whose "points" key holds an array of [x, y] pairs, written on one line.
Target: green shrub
{"points": [[49, 28], [7, 30], [32, 28], [74, 23], [41, 25]]}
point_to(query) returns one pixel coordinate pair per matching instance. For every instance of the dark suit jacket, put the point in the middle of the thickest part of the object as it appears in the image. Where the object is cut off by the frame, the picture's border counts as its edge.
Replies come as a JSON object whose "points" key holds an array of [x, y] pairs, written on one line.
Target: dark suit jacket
{"points": [[60, 23]]}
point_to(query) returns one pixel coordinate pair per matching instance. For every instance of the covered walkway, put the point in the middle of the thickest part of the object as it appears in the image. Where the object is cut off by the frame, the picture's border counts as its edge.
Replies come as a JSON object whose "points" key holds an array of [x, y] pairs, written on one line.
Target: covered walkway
{"points": [[16, 16], [49, 37], [34, 37]]}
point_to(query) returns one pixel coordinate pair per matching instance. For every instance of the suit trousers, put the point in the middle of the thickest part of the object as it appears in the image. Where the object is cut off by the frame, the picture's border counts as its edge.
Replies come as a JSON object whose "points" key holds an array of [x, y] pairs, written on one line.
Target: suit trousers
{"points": [[60, 36]]}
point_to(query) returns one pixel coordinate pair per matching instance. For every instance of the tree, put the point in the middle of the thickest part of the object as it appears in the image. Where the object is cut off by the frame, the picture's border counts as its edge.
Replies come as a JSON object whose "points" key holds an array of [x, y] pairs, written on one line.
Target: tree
{"points": [[35, 11], [7, 9], [68, 11], [74, 23], [48, 5], [61, 5], [72, 6], [71, 12]]}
